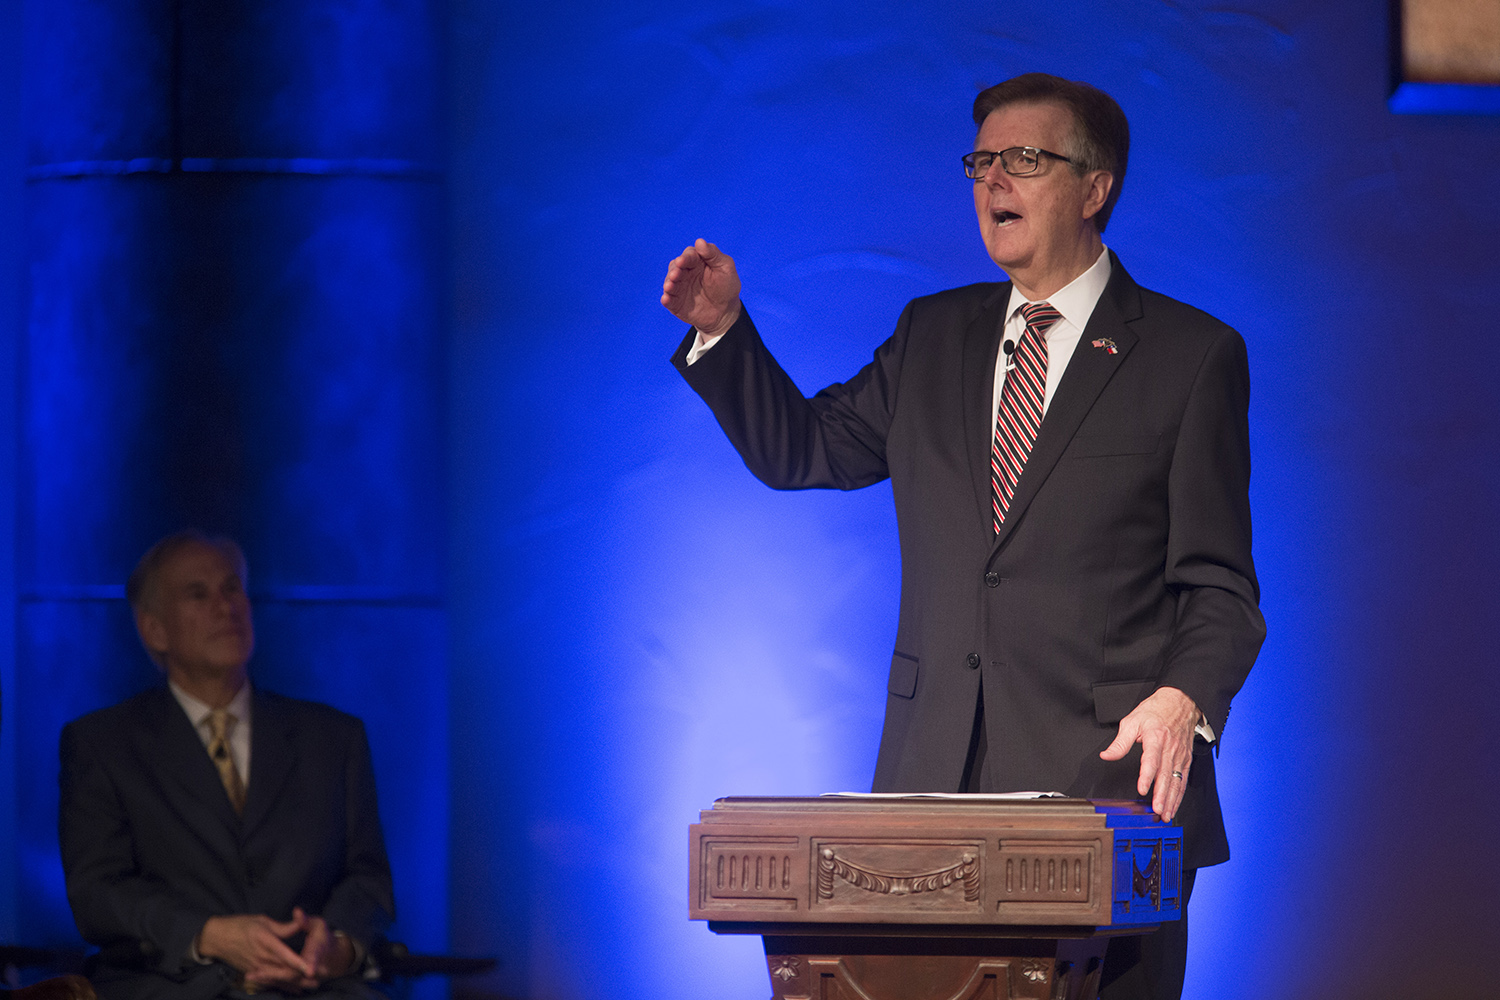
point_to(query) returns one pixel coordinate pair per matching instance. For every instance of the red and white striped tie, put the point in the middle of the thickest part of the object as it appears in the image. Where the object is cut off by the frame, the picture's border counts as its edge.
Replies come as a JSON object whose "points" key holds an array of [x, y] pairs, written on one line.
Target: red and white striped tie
{"points": [[1020, 413]]}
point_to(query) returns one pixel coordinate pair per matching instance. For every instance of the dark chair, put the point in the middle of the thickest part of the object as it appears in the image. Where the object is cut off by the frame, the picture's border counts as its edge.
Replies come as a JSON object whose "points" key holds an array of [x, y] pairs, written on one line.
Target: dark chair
{"points": [[394, 960]]}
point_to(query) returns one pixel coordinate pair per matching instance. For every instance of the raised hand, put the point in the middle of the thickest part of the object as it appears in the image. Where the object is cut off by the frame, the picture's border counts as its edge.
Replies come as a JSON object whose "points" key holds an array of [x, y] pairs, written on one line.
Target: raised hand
{"points": [[703, 288]]}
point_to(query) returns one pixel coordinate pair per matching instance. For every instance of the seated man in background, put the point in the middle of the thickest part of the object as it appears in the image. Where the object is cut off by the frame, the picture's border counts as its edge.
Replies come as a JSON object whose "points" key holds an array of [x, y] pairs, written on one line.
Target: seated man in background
{"points": [[218, 839]]}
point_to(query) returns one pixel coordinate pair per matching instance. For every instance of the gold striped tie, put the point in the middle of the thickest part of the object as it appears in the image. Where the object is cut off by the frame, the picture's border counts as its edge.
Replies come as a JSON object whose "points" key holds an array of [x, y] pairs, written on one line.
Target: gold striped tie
{"points": [[219, 723]]}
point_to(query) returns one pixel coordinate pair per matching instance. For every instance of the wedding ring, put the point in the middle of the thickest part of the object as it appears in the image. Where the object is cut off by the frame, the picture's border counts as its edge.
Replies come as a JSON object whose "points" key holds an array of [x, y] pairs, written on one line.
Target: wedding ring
{"points": [[1177, 775]]}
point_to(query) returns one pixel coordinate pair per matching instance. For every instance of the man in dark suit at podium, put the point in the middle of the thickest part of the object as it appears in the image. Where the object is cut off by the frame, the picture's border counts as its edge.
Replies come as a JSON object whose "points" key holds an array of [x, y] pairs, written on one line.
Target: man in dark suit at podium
{"points": [[1069, 456], [218, 839]]}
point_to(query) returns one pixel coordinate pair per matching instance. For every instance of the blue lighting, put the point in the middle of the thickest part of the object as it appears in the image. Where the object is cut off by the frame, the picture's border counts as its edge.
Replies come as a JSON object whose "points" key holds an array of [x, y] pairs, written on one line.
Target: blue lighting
{"points": [[419, 301], [1446, 99]]}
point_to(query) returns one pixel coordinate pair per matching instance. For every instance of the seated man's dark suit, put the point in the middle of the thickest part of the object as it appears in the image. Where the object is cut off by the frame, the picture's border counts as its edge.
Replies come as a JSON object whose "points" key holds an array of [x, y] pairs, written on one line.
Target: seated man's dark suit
{"points": [[152, 848], [1124, 561]]}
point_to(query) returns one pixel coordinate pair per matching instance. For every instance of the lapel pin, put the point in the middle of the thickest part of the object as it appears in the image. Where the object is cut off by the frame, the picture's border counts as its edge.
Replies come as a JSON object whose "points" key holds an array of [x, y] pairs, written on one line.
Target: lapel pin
{"points": [[1107, 344]]}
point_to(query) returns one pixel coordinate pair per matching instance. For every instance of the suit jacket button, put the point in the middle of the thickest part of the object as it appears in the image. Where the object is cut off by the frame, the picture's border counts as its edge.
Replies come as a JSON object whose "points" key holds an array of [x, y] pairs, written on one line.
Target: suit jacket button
{"points": [[992, 579], [974, 661]]}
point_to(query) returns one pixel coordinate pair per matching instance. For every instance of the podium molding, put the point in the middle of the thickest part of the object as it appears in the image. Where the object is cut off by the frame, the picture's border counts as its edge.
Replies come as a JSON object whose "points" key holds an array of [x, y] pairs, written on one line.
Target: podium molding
{"points": [[933, 898]]}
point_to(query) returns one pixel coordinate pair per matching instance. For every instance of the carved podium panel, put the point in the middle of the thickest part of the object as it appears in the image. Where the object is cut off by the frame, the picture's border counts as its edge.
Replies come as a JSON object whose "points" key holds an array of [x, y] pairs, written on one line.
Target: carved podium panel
{"points": [[921, 898]]}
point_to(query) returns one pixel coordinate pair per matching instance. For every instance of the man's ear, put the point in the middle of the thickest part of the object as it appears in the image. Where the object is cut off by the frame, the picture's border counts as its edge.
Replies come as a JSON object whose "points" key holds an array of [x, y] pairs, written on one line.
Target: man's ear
{"points": [[1101, 183], [153, 632]]}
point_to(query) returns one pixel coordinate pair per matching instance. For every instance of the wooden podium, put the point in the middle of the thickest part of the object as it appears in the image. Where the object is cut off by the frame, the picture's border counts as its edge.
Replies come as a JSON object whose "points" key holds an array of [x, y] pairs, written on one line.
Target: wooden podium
{"points": [[933, 898]]}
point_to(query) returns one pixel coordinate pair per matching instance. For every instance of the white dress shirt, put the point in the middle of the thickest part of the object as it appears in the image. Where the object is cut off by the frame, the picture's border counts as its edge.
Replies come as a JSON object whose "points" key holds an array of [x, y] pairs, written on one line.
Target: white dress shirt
{"points": [[239, 730], [1076, 301]]}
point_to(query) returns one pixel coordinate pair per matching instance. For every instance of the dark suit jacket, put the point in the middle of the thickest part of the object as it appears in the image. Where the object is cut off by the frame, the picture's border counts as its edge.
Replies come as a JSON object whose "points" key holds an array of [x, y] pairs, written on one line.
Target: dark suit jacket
{"points": [[1124, 563], [151, 847]]}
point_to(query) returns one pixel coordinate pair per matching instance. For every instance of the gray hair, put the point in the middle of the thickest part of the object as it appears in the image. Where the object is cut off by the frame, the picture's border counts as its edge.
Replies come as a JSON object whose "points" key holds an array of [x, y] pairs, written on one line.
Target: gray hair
{"points": [[142, 589]]}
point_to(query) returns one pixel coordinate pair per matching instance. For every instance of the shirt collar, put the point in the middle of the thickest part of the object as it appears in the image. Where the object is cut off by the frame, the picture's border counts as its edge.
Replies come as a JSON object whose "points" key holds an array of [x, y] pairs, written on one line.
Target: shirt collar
{"points": [[1075, 300], [198, 712]]}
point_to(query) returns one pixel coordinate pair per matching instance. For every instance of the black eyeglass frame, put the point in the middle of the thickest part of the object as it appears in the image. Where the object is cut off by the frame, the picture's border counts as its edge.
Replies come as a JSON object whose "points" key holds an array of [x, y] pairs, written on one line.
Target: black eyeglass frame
{"points": [[1035, 151]]}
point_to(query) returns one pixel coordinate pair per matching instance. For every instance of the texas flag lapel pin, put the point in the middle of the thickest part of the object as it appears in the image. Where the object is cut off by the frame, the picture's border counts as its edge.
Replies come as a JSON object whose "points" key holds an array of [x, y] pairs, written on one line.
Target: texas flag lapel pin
{"points": [[1107, 344]]}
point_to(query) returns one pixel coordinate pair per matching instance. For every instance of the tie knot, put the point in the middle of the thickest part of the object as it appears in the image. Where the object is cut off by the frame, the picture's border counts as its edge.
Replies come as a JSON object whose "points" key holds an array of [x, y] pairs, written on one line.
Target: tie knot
{"points": [[1040, 316], [219, 721]]}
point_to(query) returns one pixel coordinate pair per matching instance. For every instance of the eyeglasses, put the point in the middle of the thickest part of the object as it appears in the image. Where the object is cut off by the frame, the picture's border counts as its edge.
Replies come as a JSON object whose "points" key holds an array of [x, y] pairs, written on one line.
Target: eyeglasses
{"points": [[1018, 161]]}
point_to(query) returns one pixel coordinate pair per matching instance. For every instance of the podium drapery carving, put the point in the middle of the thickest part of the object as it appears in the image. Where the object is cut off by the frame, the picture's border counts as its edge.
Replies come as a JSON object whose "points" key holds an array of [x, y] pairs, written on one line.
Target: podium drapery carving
{"points": [[1148, 883], [892, 883]]}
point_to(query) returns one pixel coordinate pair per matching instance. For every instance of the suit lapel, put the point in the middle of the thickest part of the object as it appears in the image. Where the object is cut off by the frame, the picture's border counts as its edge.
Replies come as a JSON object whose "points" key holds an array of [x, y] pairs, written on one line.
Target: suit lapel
{"points": [[180, 757], [1088, 372], [981, 347], [271, 757]]}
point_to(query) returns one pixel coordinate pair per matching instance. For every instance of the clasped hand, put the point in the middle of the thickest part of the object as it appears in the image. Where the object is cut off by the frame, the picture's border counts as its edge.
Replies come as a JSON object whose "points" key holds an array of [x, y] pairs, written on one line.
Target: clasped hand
{"points": [[257, 946]]}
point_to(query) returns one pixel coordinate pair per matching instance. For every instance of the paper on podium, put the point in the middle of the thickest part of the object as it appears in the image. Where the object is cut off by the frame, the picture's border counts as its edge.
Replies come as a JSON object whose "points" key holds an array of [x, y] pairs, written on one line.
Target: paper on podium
{"points": [[960, 796]]}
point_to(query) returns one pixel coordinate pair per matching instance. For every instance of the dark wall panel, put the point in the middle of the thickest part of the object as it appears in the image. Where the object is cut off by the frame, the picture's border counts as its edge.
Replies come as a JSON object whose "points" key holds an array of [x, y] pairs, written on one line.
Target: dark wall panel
{"points": [[99, 81], [12, 260], [236, 321], [335, 79]]}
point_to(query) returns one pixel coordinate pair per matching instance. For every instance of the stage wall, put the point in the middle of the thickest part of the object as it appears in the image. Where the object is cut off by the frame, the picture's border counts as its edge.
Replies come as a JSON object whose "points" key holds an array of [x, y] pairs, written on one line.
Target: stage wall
{"points": [[638, 626], [11, 270], [633, 626]]}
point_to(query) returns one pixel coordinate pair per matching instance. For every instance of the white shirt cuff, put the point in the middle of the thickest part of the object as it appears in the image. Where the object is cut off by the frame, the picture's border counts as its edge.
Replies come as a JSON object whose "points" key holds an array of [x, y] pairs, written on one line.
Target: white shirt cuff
{"points": [[702, 345]]}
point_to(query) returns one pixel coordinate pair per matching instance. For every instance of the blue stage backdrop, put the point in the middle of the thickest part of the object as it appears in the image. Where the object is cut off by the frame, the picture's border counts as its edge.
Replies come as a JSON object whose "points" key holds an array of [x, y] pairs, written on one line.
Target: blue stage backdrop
{"points": [[639, 627], [235, 255], [12, 266], [235, 264]]}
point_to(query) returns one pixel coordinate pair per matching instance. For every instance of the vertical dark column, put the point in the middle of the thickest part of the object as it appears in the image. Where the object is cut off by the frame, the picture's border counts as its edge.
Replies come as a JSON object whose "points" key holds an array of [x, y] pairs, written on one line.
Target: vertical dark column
{"points": [[234, 216]]}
